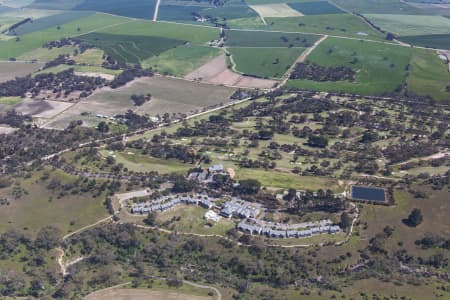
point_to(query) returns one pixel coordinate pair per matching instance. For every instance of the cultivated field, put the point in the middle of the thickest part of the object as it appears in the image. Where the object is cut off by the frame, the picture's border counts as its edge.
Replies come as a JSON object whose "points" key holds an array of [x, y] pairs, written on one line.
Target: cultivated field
{"points": [[316, 8], [143, 9], [242, 38], [437, 41], [379, 68], [11, 70], [216, 72], [428, 75], [410, 24], [131, 49], [50, 21], [180, 11], [264, 62], [275, 11], [181, 60], [332, 24], [31, 41], [182, 32]]}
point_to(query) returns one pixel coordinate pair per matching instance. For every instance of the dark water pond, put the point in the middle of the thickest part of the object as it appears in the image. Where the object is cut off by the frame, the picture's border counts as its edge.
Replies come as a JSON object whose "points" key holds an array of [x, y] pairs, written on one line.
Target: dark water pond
{"points": [[368, 193]]}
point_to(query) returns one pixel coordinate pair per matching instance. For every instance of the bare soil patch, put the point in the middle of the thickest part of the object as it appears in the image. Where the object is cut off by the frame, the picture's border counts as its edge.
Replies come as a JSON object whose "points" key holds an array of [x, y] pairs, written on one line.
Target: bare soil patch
{"points": [[42, 108], [216, 72], [141, 294], [11, 70], [278, 10]]}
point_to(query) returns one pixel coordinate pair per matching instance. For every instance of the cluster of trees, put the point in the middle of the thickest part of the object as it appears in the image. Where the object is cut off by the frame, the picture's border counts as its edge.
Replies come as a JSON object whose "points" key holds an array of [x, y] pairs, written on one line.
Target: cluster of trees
{"points": [[313, 71], [129, 75], [60, 60], [139, 100], [29, 143], [433, 241], [13, 118], [62, 83], [322, 200]]}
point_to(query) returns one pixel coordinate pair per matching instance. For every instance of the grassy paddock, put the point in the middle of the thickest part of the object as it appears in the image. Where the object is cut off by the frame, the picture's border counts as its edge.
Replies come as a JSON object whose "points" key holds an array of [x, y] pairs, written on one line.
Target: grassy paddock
{"points": [[39, 206], [428, 75]]}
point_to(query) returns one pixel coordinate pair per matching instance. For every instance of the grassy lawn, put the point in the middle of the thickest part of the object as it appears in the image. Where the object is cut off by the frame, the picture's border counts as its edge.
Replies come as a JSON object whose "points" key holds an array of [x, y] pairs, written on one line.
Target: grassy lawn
{"points": [[428, 75], [181, 60], [141, 163], [264, 62], [191, 219], [379, 68], [288, 180]]}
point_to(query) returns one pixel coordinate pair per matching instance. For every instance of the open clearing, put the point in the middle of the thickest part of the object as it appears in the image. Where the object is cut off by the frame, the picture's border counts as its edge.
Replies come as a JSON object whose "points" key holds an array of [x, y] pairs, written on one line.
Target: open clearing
{"points": [[281, 10], [40, 206], [11, 70], [188, 218], [216, 72], [411, 25], [169, 95]]}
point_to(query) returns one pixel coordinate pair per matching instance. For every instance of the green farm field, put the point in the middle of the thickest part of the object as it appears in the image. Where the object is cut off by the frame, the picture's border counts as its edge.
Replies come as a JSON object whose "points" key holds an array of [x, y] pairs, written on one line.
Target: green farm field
{"points": [[181, 60], [242, 38], [184, 32], [380, 68], [334, 24], [411, 24], [428, 76], [50, 21], [264, 62], [316, 8], [437, 41], [31, 41], [130, 49]]}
